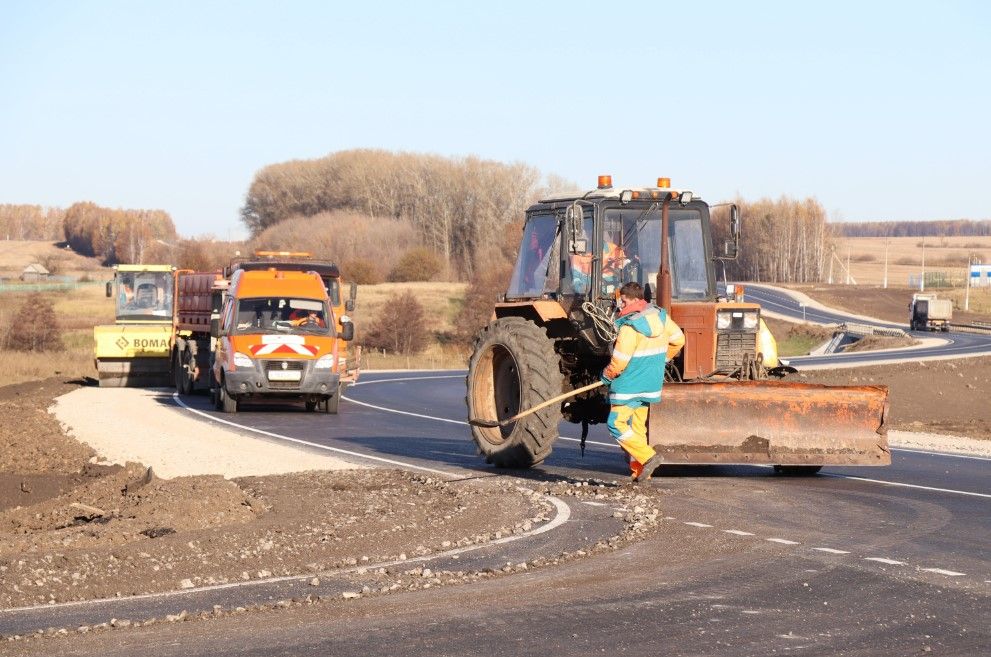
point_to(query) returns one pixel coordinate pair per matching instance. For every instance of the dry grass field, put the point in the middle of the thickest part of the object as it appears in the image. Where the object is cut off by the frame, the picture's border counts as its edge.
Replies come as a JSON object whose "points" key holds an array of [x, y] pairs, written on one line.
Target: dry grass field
{"points": [[943, 254], [441, 301], [15, 255]]}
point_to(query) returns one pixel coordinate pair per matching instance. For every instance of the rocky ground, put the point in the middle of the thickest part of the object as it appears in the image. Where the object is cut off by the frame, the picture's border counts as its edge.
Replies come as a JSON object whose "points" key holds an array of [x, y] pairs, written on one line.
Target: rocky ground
{"points": [[71, 529]]}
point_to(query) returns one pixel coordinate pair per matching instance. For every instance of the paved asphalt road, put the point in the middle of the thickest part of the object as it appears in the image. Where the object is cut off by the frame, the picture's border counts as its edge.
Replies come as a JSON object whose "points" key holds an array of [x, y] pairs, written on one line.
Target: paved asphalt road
{"points": [[855, 561]]}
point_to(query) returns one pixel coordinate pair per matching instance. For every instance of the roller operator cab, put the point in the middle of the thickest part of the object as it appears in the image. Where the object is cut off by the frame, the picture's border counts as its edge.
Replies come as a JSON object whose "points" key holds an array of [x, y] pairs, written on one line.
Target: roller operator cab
{"points": [[277, 337], [553, 333], [136, 349]]}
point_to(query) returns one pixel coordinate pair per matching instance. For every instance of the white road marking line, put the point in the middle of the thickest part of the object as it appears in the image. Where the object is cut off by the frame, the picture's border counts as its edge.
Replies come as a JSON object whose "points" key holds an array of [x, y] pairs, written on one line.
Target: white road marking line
{"points": [[412, 378], [563, 515], [940, 571], [595, 504], [931, 453], [783, 541], [830, 550], [890, 562], [737, 532], [698, 524], [903, 485]]}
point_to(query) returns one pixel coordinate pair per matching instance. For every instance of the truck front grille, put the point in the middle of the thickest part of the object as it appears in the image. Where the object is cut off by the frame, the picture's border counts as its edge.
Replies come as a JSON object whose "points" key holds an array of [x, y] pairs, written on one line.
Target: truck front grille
{"points": [[290, 366]]}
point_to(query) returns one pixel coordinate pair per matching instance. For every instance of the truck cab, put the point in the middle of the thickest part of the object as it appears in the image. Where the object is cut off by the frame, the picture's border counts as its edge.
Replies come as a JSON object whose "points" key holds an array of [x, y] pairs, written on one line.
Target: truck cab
{"points": [[277, 337]]}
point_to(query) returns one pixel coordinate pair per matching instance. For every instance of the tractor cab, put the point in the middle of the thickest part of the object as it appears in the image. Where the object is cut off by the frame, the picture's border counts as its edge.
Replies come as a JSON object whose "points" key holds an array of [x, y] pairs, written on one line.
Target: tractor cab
{"points": [[578, 251]]}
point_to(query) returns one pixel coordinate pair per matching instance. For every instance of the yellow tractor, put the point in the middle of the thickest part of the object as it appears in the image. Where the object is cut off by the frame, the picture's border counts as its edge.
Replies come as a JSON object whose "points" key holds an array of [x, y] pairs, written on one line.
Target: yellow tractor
{"points": [[136, 350], [552, 334]]}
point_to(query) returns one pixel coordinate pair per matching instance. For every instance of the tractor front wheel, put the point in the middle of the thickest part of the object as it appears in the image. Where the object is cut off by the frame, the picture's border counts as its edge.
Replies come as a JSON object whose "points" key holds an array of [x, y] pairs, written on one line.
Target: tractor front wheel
{"points": [[514, 367]]}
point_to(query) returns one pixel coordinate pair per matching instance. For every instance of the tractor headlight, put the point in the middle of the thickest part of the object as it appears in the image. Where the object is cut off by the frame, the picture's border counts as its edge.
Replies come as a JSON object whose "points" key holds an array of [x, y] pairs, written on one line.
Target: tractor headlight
{"points": [[240, 360], [324, 362], [750, 319], [723, 320]]}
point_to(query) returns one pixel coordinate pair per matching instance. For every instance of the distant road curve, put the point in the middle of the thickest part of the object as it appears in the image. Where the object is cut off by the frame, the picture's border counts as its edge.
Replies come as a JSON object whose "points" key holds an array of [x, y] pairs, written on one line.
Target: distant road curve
{"points": [[787, 303]]}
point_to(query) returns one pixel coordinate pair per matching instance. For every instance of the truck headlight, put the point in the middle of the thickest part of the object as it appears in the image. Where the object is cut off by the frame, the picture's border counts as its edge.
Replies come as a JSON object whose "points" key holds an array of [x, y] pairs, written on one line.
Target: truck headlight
{"points": [[324, 362], [240, 360], [750, 319], [723, 320]]}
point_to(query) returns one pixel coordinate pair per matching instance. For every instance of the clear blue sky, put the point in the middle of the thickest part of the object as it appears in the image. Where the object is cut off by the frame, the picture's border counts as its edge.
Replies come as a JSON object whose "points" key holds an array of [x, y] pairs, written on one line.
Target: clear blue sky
{"points": [[880, 110]]}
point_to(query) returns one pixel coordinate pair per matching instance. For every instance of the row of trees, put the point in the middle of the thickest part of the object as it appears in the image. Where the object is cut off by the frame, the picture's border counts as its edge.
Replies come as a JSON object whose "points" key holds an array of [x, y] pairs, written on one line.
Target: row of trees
{"points": [[457, 207], [30, 222], [786, 240], [942, 228], [116, 235]]}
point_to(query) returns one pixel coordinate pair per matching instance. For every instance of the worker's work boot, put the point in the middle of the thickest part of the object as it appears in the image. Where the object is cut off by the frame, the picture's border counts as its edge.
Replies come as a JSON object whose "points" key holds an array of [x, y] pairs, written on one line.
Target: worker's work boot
{"points": [[648, 468], [636, 468]]}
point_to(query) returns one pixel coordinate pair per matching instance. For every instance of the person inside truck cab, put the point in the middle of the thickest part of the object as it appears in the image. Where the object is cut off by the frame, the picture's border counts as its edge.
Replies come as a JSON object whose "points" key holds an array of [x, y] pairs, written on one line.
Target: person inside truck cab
{"points": [[310, 318]]}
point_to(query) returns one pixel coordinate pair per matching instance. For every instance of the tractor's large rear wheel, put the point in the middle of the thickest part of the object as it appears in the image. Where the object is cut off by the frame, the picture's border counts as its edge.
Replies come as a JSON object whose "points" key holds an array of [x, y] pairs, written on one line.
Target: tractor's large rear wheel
{"points": [[514, 367]]}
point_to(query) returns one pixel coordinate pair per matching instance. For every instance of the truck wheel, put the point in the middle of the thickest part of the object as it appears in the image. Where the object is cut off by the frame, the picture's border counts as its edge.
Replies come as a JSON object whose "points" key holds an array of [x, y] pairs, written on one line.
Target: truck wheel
{"points": [[311, 405], [514, 367], [227, 400], [331, 404], [183, 382], [797, 470]]}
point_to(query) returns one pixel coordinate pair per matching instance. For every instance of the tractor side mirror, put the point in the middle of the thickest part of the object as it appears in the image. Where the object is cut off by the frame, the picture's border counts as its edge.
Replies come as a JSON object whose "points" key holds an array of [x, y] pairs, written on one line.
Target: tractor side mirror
{"points": [[110, 289], [731, 247], [349, 304], [574, 218], [347, 330]]}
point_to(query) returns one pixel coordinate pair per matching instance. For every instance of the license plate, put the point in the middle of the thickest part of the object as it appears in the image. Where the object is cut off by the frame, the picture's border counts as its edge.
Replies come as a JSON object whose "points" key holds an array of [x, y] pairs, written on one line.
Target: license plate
{"points": [[284, 375]]}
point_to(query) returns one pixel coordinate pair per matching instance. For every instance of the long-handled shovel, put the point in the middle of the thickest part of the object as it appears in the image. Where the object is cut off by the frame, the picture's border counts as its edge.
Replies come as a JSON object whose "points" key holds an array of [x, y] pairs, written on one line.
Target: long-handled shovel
{"points": [[554, 400]]}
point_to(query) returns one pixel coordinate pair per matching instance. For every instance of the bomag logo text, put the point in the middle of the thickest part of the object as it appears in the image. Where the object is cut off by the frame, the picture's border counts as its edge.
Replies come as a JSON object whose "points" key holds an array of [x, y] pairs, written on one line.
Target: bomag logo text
{"points": [[150, 343]]}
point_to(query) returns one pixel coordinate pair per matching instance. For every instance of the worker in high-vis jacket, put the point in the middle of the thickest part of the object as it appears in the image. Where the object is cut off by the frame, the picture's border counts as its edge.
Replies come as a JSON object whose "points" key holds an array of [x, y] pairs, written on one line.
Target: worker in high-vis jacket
{"points": [[647, 338]]}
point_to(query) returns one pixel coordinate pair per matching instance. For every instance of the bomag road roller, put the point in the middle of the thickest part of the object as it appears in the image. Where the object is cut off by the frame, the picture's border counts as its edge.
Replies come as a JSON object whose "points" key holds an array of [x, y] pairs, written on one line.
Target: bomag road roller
{"points": [[553, 331], [136, 349]]}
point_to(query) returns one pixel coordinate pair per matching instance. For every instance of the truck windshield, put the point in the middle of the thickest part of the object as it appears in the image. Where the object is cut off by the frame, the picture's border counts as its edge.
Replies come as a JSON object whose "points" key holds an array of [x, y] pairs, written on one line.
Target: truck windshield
{"points": [[144, 295], [631, 251], [282, 315], [530, 276]]}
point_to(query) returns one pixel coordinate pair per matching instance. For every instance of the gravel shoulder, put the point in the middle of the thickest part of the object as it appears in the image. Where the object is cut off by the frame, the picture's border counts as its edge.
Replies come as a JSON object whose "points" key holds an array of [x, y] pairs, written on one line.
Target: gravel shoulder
{"points": [[149, 428]]}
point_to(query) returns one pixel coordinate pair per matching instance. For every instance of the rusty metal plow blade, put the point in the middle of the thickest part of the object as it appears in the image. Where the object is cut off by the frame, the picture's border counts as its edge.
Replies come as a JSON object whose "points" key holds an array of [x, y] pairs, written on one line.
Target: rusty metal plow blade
{"points": [[771, 422]]}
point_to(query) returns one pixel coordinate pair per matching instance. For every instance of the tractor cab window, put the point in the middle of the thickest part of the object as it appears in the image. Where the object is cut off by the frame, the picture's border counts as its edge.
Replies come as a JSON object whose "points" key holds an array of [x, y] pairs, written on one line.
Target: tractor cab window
{"points": [[282, 315], [536, 267], [689, 266], [144, 295], [625, 254], [631, 251]]}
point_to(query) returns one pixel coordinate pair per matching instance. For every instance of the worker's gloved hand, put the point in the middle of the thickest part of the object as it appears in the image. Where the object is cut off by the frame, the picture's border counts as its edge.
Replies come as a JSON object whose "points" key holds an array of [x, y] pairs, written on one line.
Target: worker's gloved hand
{"points": [[606, 381]]}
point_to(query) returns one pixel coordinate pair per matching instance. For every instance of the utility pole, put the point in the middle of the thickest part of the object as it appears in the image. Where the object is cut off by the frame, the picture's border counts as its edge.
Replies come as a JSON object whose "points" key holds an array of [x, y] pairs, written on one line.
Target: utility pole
{"points": [[833, 255], [886, 242], [922, 281], [966, 295], [848, 265]]}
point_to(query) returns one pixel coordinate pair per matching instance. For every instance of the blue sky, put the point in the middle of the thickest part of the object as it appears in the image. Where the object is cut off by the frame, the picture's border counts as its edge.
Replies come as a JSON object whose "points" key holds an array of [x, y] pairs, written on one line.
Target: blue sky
{"points": [[880, 110]]}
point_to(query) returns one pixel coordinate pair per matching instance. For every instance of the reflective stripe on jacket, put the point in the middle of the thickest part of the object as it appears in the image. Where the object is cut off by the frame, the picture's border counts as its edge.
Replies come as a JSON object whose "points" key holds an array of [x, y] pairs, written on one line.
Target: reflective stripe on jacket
{"points": [[646, 340]]}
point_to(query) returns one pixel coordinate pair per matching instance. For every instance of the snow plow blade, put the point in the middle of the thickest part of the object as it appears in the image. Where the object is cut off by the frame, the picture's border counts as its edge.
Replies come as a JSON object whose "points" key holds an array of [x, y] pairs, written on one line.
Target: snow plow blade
{"points": [[775, 423]]}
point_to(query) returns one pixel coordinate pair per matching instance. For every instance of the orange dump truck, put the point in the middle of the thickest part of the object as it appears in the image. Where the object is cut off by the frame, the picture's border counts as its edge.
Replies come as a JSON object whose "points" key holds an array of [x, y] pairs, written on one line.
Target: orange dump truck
{"points": [[276, 336]]}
